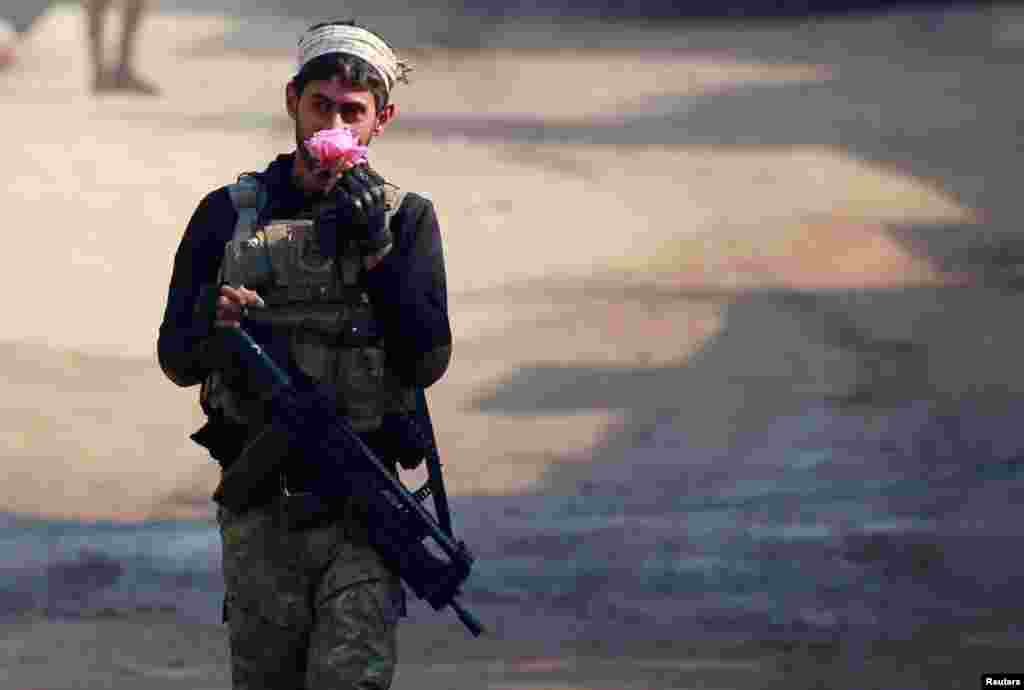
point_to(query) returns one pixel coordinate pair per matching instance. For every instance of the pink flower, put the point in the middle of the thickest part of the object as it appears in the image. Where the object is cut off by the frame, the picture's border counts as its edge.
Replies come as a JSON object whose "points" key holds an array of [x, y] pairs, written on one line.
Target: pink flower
{"points": [[331, 146]]}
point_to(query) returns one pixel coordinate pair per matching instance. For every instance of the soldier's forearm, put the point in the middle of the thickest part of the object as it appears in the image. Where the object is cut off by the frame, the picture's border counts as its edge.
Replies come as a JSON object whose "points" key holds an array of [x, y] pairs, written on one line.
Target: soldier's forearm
{"points": [[180, 358]]}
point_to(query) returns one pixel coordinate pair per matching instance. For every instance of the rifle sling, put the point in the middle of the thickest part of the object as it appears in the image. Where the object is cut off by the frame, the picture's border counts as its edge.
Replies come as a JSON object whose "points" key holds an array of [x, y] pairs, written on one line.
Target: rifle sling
{"points": [[444, 516]]}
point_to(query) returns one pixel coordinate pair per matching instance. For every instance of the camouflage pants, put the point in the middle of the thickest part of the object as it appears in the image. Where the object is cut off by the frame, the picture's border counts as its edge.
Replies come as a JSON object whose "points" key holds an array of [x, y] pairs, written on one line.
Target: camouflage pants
{"points": [[307, 610]]}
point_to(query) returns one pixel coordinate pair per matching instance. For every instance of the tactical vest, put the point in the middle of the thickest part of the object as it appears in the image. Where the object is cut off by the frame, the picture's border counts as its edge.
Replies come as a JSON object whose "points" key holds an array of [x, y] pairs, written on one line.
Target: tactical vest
{"points": [[320, 302]]}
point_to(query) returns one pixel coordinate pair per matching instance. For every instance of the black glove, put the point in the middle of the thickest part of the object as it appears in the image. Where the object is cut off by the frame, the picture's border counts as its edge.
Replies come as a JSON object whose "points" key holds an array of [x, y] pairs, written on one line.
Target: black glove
{"points": [[356, 210], [400, 438]]}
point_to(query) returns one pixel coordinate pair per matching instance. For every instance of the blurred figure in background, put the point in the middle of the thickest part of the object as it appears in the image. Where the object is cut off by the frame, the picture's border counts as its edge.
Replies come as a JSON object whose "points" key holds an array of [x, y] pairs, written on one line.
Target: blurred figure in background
{"points": [[8, 43], [122, 76], [16, 18]]}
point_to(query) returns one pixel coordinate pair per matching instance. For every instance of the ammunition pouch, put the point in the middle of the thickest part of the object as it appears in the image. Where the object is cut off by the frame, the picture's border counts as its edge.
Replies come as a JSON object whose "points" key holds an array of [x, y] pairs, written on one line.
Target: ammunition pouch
{"points": [[401, 439], [305, 510], [254, 477], [223, 439]]}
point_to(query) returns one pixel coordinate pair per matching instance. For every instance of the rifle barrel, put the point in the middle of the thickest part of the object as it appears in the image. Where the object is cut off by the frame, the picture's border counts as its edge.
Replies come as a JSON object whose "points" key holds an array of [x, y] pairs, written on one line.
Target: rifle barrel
{"points": [[467, 618]]}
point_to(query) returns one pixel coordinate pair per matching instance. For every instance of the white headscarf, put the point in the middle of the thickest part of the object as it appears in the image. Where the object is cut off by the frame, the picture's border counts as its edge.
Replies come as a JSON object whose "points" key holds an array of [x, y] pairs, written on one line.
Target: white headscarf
{"points": [[353, 40]]}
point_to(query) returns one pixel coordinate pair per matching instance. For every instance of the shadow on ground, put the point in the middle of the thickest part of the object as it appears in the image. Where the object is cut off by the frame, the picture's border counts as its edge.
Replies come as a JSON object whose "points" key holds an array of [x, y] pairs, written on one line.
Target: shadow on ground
{"points": [[834, 476], [834, 464]]}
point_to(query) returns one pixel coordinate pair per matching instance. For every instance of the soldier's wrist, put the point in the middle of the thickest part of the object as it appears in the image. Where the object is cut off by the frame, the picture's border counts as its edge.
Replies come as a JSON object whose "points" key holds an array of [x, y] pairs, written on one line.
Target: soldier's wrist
{"points": [[371, 261]]}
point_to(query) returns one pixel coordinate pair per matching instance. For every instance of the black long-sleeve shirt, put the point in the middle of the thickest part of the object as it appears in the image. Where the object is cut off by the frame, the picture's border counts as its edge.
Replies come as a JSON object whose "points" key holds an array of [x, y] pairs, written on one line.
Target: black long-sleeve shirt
{"points": [[407, 288]]}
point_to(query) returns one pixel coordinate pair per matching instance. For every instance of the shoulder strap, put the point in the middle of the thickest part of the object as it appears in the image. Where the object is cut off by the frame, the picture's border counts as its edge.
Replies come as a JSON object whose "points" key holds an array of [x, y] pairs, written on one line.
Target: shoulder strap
{"points": [[248, 196], [435, 480]]}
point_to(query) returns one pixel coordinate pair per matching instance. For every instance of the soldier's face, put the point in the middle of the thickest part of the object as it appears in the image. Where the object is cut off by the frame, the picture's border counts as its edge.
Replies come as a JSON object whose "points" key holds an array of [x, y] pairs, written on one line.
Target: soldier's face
{"points": [[328, 104]]}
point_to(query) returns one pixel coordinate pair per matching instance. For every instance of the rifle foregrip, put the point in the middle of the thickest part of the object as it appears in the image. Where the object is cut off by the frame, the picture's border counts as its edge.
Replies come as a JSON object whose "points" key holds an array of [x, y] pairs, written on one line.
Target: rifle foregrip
{"points": [[263, 374]]}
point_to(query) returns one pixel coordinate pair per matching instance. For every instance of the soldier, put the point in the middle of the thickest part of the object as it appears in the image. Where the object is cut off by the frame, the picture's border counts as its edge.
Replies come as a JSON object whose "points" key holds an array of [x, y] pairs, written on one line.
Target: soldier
{"points": [[347, 276], [8, 43]]}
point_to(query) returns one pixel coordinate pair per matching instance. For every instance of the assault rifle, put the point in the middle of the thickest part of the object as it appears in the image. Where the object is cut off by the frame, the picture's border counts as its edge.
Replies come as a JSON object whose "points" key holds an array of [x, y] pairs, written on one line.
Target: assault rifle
{"points": [[422, 550]]}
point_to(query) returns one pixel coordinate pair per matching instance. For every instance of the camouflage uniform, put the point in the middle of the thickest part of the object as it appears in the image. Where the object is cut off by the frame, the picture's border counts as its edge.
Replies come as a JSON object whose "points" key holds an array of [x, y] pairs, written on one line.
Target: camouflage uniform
{"points": [[311, 608]]}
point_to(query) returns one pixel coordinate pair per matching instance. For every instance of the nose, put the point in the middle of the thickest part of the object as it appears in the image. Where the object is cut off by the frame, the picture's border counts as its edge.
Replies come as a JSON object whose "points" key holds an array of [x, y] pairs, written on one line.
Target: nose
{"points": [[337, 120]]}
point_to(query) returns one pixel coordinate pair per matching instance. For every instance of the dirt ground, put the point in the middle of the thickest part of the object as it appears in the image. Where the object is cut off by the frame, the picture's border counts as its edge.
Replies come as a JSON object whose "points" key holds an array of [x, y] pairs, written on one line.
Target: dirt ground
{"points": [[631, 209], [555, 213]]}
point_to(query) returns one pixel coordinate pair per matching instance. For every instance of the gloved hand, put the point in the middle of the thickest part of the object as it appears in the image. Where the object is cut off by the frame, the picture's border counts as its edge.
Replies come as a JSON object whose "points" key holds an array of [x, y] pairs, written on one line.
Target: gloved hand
{"points": [[356, 210]]}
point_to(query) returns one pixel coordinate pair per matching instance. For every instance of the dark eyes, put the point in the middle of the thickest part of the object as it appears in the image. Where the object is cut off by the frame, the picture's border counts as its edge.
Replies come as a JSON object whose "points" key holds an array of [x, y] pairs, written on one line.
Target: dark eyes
{"points": [[348, 110]]}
